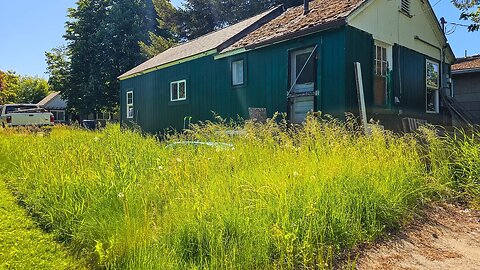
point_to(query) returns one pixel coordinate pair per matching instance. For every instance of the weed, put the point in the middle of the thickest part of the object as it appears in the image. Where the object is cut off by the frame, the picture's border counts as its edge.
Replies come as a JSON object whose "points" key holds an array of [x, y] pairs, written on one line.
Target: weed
{"points": [[283, 197]]}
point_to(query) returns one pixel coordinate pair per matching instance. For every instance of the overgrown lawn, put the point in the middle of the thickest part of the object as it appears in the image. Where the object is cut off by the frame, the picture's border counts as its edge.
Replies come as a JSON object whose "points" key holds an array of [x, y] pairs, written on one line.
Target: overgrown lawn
{"points": [[277, 198]]}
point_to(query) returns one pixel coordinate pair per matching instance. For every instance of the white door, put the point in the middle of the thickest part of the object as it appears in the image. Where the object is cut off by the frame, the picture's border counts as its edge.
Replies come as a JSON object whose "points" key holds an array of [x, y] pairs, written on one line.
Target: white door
{"points": [[302, 84]]}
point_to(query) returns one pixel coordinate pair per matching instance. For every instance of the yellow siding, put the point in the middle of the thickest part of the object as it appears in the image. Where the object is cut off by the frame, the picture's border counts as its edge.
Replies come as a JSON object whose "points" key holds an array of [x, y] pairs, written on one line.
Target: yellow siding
{"points": [[383, 20]]}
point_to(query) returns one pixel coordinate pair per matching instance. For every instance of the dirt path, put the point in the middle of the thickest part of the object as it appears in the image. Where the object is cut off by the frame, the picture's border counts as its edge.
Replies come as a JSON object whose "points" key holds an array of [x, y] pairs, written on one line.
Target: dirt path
{"points": [[447, 237], [23, 245]]}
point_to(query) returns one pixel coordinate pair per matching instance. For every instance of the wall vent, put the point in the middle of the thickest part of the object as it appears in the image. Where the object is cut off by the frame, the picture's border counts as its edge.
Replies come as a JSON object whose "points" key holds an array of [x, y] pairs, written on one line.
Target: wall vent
{"points": [[405, 7]]}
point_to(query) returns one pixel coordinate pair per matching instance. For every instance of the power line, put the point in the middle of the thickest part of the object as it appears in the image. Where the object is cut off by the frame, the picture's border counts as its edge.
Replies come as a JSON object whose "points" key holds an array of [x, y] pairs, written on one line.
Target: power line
{"points": [[459, 24], [451, 31], [438, 2]]}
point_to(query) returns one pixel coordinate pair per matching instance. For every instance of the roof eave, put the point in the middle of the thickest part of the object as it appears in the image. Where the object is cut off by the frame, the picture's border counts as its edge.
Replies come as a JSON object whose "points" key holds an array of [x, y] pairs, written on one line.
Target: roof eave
{"points": [[465, 71]]}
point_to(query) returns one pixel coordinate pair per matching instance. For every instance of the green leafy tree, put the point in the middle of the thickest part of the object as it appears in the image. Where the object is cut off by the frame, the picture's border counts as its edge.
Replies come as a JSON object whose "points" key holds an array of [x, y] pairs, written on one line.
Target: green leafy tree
{"points": [[470, 11], [58, 67], [83, 46], [103, 42], [8, 84], [166, 34], [199, 17], [31, 89]]}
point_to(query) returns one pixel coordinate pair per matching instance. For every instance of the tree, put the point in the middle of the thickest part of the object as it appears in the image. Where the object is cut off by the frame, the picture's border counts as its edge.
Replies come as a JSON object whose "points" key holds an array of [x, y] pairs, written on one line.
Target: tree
{"points": [[83, 47], [166, 34], [8, 84], [127, 24], [200, 17], [103, 42], [470, 11], [157, 45], [31, 89], [58, 67]]}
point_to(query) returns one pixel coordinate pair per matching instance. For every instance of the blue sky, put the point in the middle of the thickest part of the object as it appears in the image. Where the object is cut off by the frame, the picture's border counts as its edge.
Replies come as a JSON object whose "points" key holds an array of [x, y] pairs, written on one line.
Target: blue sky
{"points": [[31, 27]]}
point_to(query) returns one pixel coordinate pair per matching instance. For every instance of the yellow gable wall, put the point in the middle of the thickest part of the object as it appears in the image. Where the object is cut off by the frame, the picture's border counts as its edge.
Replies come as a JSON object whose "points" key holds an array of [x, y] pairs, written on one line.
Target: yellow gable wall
{"points": [[386, 23]]}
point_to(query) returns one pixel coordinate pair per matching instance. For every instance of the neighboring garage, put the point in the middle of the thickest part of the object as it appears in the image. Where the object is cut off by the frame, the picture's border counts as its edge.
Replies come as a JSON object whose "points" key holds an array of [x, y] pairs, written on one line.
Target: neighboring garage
{"points": [[466, 85]]}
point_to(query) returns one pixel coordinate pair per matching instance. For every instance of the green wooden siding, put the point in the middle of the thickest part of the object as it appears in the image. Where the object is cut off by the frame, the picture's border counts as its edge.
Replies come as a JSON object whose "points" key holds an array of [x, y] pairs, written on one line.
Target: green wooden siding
{"points": [[266, 74], [409, 79], [410, 84], [359, 48], [209, 86]]}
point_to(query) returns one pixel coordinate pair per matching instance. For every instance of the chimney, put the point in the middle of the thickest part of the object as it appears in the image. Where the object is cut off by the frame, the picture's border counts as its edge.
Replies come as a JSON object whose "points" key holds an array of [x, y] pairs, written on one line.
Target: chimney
{"points": [[305, 7]]}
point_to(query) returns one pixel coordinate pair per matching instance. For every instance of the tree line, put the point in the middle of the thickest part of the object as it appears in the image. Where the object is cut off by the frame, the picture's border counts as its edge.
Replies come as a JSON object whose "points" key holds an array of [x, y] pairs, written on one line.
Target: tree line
{"points": [[106, 38], [22, 89]]}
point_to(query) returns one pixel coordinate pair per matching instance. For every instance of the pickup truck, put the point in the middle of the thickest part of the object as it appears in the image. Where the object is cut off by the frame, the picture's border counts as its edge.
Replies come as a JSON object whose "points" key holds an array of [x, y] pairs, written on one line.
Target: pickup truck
{"points": [[14, 115]]}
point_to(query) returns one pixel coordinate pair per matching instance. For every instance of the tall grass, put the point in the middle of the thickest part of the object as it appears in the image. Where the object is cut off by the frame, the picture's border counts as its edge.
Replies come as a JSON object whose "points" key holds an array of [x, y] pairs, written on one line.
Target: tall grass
{"points": [[279, 198], [456, 158]]}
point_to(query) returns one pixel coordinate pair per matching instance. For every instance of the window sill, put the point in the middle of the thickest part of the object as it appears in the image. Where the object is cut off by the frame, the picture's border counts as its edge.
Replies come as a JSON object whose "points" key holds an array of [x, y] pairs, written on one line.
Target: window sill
{"points": [[239, 87], [178, 103]]}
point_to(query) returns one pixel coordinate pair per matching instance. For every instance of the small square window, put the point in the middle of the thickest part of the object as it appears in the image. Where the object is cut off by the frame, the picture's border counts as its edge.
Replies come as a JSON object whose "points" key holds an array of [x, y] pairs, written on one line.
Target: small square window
{"points": [[237, 73], [178, 90]]}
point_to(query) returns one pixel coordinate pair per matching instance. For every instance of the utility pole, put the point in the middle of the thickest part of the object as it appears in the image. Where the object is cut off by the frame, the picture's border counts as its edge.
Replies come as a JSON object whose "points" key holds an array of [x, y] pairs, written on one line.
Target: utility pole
{"points": [[443, 22]]}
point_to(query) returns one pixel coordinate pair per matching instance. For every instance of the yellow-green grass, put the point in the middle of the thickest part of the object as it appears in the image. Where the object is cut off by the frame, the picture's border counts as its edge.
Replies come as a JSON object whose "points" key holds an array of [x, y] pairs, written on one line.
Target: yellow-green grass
{"points": [[23, 245], [280, 198]]}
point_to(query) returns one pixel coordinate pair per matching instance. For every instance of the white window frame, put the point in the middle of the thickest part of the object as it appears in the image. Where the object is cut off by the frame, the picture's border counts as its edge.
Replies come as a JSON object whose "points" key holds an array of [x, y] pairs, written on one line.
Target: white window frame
{"points": [[178, 90], [55, 114], [435, 89], [130, 106], [384, 61], [243, 73]]}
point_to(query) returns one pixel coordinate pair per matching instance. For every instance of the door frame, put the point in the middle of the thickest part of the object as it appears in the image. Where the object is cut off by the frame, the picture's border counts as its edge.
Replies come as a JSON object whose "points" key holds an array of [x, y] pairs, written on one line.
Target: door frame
{"points": [[316, 57]]}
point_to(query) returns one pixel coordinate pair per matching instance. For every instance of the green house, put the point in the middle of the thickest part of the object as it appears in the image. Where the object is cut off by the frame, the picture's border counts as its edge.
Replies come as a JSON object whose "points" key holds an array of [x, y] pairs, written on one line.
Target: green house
{"points": [[299, 60]]}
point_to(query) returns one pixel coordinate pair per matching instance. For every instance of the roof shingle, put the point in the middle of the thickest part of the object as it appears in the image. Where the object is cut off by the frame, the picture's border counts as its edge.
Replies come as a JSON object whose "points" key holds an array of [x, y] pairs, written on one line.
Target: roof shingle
{"points": [[471, 62], [294, 21]]}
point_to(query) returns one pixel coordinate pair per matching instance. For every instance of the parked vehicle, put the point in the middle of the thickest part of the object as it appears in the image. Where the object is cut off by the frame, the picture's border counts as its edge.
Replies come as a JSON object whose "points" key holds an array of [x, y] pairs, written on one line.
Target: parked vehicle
{"points": [[14, 115]]}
